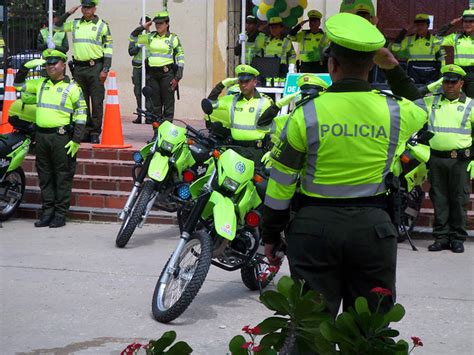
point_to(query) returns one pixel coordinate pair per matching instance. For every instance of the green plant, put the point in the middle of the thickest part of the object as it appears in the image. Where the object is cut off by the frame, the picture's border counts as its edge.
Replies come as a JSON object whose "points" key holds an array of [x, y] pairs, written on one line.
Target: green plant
{"points": [[159, 346]]}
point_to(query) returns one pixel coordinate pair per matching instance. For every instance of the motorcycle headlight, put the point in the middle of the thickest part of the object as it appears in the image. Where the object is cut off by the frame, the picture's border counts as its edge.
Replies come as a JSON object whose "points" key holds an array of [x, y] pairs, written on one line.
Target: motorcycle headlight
{"points": [[230, 184], [167, 146], [137, 157]]}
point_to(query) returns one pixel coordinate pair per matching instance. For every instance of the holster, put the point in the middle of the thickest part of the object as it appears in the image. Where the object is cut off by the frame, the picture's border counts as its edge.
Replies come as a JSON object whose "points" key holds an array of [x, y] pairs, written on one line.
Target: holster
{"points": [[70, 64], [394, 198]]}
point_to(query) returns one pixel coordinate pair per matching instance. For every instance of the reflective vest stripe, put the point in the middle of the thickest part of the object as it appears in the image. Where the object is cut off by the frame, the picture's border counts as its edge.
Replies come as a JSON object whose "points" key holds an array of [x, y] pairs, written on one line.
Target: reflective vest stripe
{"points": [[86, 40], [276, 204], [464, 56], [161, 55], [65, 93], [59, 107], [99, 31], [251, 127], [433, 112], [302, 50], [55, 107], [283, 178], [467, 112], [450, 130], [361, 190]]}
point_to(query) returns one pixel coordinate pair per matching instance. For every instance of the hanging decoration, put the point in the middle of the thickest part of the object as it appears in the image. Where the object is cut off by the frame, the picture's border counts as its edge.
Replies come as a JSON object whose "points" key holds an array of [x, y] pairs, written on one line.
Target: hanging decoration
{"points": [[289, 10]]}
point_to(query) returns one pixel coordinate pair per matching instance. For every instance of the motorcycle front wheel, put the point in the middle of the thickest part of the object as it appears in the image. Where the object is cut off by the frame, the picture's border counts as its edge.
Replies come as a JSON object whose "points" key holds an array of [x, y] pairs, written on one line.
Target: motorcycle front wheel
{"points": [[134, 217], [14, 184], [172, 298]]}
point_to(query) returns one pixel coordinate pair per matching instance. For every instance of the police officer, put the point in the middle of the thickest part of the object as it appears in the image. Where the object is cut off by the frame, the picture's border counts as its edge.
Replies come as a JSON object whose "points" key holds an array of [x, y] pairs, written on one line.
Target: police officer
{"points": [[452, 122], [93, 48], [463, 47], [165, 63], [422, 51], [243, 110], [278, 45], [311, 44], [255, 39], [341, 146], [60, 40], [135, 51], [61, 116]]}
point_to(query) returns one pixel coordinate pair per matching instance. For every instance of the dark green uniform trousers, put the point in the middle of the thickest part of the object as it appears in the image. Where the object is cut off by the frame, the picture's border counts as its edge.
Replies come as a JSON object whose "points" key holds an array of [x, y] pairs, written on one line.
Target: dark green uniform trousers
{"points": [[55, 172], [344, 252], [449, 192], [94, 92], [163, 96], [137, 89]]}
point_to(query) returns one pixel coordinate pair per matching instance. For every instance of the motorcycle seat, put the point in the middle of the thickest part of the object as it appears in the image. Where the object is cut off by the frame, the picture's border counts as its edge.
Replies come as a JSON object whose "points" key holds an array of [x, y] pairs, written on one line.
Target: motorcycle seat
{"points": [[9, 141]]}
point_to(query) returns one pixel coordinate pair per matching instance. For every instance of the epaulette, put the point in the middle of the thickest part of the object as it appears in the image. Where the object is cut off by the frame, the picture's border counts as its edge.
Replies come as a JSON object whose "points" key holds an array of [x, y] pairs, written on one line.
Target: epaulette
{"points": [[265, 96], [389, 94], [307, 99]]}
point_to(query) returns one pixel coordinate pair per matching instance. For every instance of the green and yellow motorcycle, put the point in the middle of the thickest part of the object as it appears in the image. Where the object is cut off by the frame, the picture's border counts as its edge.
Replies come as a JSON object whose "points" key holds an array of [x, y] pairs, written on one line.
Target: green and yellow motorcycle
{"points": [[219, 226]]}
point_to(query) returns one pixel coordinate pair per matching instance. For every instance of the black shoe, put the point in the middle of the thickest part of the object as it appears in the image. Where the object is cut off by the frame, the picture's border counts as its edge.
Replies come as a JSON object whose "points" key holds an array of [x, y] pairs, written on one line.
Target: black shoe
{"points": [[58, 221], [43, 221], [457, 247], [438, 246], [95, 139], [137, 120]]}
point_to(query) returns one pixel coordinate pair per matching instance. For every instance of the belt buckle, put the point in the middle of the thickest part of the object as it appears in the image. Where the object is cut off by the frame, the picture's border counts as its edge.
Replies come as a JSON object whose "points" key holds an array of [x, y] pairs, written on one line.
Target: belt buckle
{"points": [[61, 130], [467, 153], [165, 69], [92, 62], [259, 144], [454, 154]]}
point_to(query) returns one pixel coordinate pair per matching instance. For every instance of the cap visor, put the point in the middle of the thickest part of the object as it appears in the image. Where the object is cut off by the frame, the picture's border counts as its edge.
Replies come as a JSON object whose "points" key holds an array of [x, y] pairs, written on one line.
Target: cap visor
{"points": [[52, 60], [161, 20], [245, 77], [451, 78]]}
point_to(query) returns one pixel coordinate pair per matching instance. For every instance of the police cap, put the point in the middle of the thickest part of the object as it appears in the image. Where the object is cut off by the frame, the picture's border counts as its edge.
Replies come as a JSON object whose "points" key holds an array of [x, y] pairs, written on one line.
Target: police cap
{"points": [[251, 19], [52, 56], [275, 21], [355, 6], [468, 15], [314, 14], [162, 16], [354, 32], [89, 3], [422, 18], [246, 72], [452, 72], [311, 79]]}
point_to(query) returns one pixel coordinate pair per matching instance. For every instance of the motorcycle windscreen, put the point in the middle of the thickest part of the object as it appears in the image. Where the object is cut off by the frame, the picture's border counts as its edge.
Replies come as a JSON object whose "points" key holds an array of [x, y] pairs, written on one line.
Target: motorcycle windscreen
{"points": [[159, 167], [225, 221]]}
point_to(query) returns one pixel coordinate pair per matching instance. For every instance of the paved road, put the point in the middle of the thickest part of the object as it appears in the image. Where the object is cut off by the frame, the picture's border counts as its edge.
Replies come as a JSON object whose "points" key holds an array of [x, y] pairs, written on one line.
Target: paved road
{"points": [[71, 291]]}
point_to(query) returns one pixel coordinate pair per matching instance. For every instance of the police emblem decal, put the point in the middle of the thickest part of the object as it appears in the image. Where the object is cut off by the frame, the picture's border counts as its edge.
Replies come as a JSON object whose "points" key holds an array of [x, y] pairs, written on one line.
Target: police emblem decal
{"points": [[240, 167], [251, 109], [59, 90], [460, 108], [94, 28]]}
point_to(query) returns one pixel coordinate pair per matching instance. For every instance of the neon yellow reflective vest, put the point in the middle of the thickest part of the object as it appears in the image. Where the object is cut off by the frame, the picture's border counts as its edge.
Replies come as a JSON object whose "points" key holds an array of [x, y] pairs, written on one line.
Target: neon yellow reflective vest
{"points": [[26, 112], [463, 48], [415, 48], [311, 45], [242, 115], [57, 104], [281, 48], [90, 39], [58, 36], [450, 121], [137, 58], [341, 145], [252, 48], [162, 49]]}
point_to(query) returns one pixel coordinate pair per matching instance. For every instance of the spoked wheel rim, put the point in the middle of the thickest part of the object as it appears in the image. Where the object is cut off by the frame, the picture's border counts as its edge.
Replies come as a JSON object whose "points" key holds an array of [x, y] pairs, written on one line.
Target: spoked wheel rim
{"points": [[170, 292], [6, 206]]}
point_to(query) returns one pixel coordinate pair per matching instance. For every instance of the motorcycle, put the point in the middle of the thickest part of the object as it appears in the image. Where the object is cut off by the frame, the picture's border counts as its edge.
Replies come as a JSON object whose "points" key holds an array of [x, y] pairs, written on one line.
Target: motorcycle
{"points": [[218, 226], [13, 149], [170, 166]]}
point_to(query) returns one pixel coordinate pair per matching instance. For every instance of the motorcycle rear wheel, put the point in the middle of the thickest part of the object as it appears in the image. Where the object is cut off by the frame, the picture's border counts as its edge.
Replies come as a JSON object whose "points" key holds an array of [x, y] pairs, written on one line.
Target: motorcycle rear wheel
{"points": [[17, 181], [172, 298], [411, 206], [250, 274], [134, 217]]}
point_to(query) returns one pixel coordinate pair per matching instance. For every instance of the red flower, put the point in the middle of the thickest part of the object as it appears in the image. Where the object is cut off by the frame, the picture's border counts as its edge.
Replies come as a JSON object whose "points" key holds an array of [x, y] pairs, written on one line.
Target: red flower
{"points": [[131, 348], [246, 329], [262, 277], [257, 348], [246, 345], [255, 331], [417, 341], [381, 291], [273, 269]]}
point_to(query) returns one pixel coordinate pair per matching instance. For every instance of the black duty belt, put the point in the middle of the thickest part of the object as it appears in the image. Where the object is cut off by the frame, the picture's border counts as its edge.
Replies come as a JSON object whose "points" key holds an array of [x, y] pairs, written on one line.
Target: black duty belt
{"points": [[59, 130], [379, 201], [452, 154], [88, 63], [250, 144], [163, 69]]}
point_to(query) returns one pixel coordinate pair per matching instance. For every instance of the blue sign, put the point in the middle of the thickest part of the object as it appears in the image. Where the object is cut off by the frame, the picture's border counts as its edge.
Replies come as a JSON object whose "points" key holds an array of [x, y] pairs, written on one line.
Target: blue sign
{"points": [[291, 79]]}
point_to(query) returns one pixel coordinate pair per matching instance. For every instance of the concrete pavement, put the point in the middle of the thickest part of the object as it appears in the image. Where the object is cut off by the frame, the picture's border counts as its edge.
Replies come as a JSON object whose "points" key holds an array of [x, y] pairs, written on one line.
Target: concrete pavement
{"points": [[71, 291]]}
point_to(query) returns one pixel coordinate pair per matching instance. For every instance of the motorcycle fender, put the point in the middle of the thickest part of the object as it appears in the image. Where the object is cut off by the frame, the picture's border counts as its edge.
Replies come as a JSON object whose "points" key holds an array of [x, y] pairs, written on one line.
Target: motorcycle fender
{"points": [[225, 221], [184, 160], [19, 154], [159, 167], [248, 201], [145, 150]]}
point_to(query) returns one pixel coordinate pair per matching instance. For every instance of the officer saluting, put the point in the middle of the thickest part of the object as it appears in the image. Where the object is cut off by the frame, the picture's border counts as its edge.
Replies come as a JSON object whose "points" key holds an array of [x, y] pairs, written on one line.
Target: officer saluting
{"points": [[341, 145], [92, 44], [452, 122], [61, 115]]}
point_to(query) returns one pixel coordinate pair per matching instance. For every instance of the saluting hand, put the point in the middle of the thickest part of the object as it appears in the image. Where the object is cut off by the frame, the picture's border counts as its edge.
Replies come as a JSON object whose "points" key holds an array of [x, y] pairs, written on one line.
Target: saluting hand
{"points": [[147, 25], [456, 21], [174, 84], [303, 22], [385, 59], [73, 9]]}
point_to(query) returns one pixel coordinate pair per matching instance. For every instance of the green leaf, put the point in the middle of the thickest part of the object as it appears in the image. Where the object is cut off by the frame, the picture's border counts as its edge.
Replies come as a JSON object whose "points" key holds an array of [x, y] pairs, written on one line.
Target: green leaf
{"points": [[235, 345], [273, 324], [388, 333], [331, 333], [266, 351], [346, 323], [395, 314], [361, 305], [377, 321], [272, 340], [284, 286], [324, 346], [276, 302], [180, 348], [401, 347], [161, 344]]}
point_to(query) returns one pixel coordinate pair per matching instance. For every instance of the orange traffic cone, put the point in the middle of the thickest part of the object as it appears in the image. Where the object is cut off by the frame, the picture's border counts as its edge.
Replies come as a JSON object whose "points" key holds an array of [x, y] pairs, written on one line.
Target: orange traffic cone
{"points": [[8, 99], [112, 136]]}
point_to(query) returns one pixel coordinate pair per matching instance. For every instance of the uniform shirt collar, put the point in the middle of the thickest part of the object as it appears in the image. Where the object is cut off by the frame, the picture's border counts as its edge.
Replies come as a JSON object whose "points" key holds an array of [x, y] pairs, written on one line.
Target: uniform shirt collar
{"points": [[348, 84], [94, 20], [461, 98], [256, 95], [66, 79], [167, 34], [428, 36]]}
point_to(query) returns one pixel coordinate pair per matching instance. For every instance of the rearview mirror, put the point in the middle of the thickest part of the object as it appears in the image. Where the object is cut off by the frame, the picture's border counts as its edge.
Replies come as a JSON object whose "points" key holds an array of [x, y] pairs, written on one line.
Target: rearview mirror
{"points": [[206, 106], [147, 91]]}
